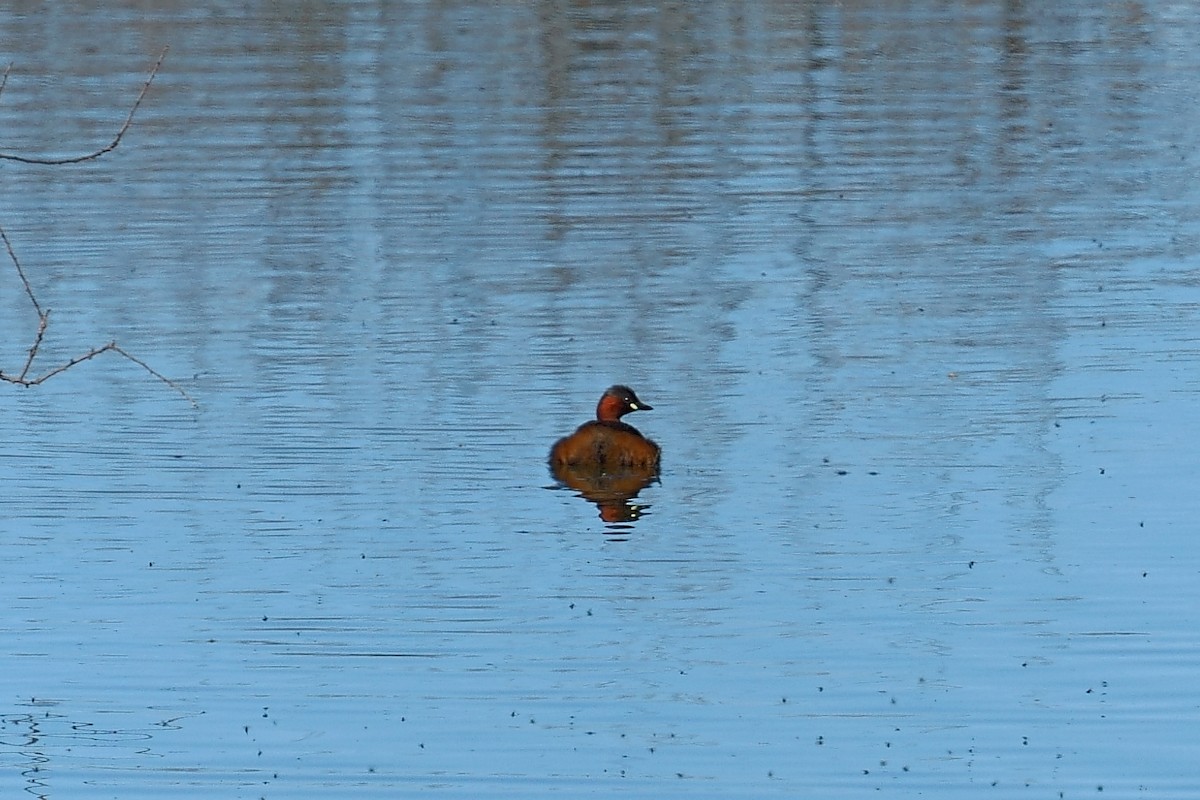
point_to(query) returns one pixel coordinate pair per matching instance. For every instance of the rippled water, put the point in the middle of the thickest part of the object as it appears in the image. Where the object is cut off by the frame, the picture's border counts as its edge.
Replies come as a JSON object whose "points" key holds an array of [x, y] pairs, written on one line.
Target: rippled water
{"points": [[914, 294]]}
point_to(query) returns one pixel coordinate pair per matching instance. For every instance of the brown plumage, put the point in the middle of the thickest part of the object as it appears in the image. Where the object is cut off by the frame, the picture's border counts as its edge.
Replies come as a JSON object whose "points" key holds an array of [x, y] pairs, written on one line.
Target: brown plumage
{"points": [[606, 443]]}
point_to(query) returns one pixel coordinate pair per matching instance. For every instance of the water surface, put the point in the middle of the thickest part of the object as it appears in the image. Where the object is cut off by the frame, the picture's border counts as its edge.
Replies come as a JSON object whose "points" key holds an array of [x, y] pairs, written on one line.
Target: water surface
{"points": [[913, 292]]}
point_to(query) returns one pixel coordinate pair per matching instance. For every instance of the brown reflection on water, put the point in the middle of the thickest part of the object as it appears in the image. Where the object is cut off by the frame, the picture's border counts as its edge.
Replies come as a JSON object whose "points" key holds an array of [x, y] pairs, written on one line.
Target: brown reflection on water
{"points": [[613, 493]]}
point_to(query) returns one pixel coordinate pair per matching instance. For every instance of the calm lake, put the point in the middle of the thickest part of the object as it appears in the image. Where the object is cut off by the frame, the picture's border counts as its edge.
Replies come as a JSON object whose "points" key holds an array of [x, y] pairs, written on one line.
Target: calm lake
{"points": [[914, 290]]}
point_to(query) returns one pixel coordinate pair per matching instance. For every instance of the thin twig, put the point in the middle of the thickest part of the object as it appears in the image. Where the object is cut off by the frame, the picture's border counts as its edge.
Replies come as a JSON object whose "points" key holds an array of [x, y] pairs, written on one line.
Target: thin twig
{"points": [[120, 351], [24, 281], [4, 79], [64, 367], [43, 323], [108, 148], [43, 315]]}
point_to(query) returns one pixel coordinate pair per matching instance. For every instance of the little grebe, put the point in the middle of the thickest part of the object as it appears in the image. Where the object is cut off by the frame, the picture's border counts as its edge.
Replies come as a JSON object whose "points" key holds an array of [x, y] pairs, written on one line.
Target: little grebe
{"points": [[606, 443]]}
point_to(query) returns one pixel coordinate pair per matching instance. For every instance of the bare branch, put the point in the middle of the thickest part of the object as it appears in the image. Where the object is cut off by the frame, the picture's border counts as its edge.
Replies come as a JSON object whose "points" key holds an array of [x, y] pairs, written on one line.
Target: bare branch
{"points": [[113, 346], [110, 347], [24, 281], [43, 314], [4, 79], [23, 381], [108, 148], [44, 321]]}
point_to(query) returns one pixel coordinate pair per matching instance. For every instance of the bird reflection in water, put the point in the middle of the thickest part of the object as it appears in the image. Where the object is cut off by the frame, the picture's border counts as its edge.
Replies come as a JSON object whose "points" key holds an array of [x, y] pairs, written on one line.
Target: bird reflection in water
{"points": [[608, 461], [613, 493]]}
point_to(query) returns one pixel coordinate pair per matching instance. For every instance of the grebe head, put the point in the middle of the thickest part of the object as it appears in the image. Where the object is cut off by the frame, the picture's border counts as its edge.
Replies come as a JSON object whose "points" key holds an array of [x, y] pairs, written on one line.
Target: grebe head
{"points": [[616, 402]]}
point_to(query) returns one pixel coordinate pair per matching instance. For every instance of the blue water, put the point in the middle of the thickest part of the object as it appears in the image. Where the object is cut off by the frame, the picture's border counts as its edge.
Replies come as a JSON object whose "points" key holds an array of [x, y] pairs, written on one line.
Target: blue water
{"points": [[914, 295]]}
